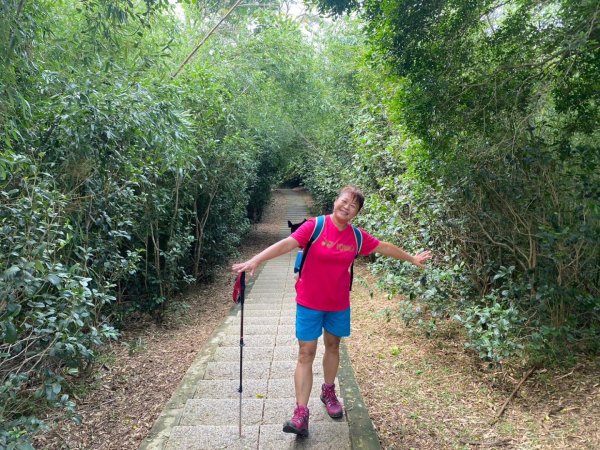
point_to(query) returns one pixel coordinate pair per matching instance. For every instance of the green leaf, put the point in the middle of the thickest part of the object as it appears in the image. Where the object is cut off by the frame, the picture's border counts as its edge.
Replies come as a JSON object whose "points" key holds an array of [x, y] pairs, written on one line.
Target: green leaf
{"points": [[24, 446], [10, 333], [13, 309], [54, 279], [11, 272]]}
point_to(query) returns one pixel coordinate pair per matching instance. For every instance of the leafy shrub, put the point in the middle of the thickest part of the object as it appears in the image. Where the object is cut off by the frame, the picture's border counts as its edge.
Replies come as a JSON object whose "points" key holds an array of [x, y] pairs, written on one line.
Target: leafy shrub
{"points": [[119, 186], [491, 121], [50, 315], [493, 330]]}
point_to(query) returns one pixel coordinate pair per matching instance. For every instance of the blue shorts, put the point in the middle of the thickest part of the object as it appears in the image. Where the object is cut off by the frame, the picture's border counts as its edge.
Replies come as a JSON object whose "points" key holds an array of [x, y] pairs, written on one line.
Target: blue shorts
{"points": [[310, 323]]}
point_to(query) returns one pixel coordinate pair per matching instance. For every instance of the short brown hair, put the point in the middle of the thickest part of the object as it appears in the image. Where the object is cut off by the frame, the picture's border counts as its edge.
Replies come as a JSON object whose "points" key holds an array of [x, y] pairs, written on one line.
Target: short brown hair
{"points": [[356, 194]]}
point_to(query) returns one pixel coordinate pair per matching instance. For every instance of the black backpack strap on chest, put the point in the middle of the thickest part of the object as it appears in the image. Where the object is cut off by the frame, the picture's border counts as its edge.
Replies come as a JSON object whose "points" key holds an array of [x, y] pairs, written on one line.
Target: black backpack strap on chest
{"points": [[359, 241]]}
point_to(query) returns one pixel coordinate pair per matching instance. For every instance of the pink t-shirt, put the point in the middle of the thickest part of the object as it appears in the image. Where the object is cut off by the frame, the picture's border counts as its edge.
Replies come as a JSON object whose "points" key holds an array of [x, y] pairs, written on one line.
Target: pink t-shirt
{"points": [[325, 281]]}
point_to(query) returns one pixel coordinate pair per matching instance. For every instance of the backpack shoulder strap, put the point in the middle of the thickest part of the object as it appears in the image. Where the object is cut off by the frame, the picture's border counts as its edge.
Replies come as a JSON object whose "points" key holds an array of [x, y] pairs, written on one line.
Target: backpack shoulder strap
{"points": [[317, 231], [319, 226], [359, 239]]}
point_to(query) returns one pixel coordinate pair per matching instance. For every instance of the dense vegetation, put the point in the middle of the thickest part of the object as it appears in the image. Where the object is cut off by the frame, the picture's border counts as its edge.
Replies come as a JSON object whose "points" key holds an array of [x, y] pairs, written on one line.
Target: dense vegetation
{"points": [[471, 124], [480, 140], [119, 183]]}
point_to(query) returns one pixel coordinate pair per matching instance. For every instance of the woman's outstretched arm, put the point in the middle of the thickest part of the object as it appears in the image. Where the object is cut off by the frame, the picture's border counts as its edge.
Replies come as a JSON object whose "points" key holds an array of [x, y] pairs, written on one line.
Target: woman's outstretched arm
{"points": [[389, 249], [277, 249]]}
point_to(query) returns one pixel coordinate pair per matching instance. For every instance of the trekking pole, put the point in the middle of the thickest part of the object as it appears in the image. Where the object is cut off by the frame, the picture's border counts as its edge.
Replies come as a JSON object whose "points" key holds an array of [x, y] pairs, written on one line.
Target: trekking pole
{"points": [[238, 297]]}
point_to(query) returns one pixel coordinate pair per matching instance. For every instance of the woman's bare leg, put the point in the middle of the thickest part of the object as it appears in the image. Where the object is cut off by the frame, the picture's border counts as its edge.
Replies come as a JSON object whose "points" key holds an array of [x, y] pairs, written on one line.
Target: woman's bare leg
{"points": [[331, 358], [303, 376]]}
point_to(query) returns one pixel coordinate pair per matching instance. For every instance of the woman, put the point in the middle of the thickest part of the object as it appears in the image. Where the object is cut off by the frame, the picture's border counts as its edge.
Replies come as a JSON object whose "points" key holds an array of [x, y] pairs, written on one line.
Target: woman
{"points": [[323, 295]]}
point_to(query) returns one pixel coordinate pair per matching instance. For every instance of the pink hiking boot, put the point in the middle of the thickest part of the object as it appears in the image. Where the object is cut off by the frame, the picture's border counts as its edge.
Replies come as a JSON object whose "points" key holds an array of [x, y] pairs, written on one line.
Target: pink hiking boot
{"points": [[299, 423], [333, 405]]}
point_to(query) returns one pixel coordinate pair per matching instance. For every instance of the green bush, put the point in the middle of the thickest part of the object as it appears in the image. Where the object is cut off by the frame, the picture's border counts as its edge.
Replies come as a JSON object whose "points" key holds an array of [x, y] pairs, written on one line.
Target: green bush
{"points": [[50, 314], [478, 138], [119, 185]]}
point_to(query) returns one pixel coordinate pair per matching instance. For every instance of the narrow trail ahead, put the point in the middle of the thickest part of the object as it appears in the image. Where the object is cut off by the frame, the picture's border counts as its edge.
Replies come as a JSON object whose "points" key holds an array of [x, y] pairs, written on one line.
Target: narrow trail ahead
{"points": [[203, 412]]}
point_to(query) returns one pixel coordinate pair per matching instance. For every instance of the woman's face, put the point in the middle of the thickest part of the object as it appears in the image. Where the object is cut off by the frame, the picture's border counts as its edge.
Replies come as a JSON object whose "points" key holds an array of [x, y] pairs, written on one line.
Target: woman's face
{"points": [[345, 207]]}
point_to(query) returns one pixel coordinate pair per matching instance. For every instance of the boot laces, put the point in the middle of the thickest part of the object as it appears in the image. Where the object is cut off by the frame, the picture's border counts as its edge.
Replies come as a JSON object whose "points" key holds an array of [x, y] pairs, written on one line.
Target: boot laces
{"points": [[329, 395], [300, 415]]}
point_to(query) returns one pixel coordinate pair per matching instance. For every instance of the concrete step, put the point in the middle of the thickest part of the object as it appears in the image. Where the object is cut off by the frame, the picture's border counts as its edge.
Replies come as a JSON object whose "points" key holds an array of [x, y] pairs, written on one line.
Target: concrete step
{"points": [[253, 369], [256, 340], [323, 436], [257, 320], [262, 354], [254, 354], [229, 389], [261, 319], [212, 437], [249, 330], [254, 329], [255, 411], [253, 388]]}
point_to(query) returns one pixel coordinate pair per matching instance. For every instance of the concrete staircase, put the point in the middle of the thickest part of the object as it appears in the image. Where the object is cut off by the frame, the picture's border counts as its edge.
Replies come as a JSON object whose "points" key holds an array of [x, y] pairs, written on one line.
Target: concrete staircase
{"points": [[204, 412]]}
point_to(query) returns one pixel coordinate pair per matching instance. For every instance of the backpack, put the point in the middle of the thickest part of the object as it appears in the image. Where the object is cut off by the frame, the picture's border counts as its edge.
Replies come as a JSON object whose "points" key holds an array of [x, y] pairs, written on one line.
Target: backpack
{"points": [[319, 226]]}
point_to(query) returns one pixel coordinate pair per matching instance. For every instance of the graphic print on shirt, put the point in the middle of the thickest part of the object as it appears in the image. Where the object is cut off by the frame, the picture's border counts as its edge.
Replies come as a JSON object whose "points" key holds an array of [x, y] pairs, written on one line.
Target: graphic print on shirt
{"points": [[339, 246]]}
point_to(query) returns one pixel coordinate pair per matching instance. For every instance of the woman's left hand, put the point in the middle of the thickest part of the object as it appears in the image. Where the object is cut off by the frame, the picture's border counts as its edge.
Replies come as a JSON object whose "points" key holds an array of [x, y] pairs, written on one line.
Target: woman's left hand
{"points": [[421, 258]]}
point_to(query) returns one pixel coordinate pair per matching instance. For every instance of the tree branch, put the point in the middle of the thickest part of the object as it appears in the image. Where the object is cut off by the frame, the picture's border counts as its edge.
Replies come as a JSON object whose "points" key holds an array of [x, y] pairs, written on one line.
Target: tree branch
{"points": [[205, 38]]}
